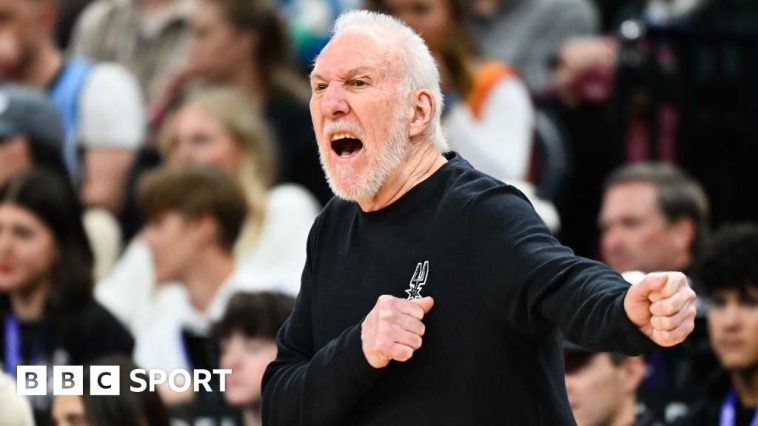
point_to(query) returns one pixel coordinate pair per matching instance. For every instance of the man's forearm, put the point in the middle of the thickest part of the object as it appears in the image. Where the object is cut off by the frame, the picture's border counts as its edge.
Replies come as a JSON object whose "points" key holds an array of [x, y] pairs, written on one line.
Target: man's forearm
{"points": [[320, 390]]}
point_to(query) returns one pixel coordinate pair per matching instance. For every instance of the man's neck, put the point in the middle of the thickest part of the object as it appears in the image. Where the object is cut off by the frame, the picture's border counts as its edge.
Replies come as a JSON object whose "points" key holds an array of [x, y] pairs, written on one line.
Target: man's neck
{"points": [[423, 160], [206, 276], [29, 305], [43, 67], [746, 384]]}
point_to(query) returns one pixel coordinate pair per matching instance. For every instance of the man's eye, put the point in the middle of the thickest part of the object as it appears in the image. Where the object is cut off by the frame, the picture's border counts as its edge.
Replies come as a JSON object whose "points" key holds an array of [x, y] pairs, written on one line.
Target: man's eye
{"points": [[718, 302], [319, 87], [360, 83]]}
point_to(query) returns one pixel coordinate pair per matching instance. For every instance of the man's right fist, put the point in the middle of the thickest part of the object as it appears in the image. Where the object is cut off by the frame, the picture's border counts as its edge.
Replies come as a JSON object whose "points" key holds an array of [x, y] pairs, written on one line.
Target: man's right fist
{"points": [[393, 329]]}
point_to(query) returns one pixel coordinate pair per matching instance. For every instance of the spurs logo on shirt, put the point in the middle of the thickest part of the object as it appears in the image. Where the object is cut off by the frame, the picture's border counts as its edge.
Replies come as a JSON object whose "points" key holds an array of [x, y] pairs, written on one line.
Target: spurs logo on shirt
{"points": [[418, 280]]}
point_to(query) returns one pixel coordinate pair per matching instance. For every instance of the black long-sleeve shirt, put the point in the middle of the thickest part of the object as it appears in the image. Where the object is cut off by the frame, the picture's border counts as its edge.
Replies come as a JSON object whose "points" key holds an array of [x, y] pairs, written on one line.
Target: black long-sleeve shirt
{"points": [[503, 287]]}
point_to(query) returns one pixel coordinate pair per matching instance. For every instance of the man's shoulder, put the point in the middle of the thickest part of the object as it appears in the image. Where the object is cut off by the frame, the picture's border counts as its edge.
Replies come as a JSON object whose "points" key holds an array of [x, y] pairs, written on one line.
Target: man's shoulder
{"points": [[88, 78], [467, 187], [112, 73], [335, 210]]}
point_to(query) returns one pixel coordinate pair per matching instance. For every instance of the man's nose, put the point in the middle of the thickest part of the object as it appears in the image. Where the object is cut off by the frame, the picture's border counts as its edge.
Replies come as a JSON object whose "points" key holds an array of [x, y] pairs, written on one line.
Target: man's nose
{"points": [[333, 102], [610, 240], [732, 317], [181, 155], [5, 242]]}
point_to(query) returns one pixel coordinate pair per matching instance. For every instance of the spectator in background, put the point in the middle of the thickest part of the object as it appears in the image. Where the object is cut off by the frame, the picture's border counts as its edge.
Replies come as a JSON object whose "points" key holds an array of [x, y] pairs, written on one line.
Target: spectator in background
{"points": [[100, 104], [31, 136], [529, 33], [653, 218], [46, 303], [602, 388], [242, 43], [220, 127], [488, 116], [30, 132], [728, 269], [149, 37], [247, 335], [125, 409], [195, 215]]}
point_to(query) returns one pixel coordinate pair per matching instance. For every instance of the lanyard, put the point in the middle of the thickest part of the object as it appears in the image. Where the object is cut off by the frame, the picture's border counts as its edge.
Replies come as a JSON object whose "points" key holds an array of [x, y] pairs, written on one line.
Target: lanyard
{"points": [[728, 415], [13, 346]]}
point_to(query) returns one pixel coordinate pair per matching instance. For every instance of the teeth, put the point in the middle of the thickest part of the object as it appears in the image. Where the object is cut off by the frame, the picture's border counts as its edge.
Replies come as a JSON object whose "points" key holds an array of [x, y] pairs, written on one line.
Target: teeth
{"points": [[338, 136]]}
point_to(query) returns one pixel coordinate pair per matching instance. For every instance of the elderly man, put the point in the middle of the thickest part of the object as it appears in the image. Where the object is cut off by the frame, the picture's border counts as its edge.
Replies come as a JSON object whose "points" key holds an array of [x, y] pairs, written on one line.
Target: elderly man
{"points": [[488, 288]]}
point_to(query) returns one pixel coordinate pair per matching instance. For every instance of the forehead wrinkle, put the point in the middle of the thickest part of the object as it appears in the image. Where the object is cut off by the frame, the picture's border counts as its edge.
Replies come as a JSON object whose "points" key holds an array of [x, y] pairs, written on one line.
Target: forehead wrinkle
{"points": [[361, 69]]}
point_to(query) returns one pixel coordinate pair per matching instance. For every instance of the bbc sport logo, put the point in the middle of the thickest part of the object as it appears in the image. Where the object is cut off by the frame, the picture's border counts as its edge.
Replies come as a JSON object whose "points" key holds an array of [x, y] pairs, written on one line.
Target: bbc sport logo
{"points": [[105, 380]]}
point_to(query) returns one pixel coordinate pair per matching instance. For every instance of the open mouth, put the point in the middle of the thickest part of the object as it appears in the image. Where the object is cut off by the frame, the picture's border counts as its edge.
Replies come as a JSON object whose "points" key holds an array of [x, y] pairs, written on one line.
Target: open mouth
{"points": [[346, 145]]}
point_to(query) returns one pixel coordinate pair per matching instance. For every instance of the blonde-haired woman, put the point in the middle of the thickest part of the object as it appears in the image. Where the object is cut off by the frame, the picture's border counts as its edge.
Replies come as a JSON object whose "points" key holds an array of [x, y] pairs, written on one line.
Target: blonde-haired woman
{"points": [[220, 126]]}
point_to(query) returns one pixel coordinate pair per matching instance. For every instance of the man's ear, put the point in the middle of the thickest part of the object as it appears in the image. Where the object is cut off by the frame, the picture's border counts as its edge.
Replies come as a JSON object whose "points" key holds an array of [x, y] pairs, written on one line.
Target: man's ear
{"points": [[206, 228], [422, 113], [683, 231], [633, 371]]}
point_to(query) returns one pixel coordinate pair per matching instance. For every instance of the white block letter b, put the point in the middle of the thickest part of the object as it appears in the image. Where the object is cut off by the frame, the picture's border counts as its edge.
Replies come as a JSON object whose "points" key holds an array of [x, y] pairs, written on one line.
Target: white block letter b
{"points": [[31, 380], [68, 380]]}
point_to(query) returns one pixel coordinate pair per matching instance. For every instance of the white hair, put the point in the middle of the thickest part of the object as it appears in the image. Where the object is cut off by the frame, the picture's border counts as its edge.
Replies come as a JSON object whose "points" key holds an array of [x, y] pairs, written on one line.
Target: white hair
{"points": [[421, 69]]}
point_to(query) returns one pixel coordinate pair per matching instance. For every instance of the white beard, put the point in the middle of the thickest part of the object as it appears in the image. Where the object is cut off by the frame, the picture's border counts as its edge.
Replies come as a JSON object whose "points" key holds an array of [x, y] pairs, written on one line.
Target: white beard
{"points": [[387, 158]]}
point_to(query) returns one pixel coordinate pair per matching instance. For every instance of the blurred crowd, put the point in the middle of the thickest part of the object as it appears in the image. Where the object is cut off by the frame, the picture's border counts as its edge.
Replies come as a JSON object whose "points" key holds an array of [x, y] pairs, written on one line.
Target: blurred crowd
{"points": [[159, 177]]}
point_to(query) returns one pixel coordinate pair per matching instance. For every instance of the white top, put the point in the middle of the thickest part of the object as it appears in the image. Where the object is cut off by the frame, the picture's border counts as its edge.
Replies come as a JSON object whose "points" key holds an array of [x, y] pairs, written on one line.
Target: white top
{"points": [[15, 408], [104, 237], [111, 110], [131, 294], [281, 248], [499, 143], [161, 347]]}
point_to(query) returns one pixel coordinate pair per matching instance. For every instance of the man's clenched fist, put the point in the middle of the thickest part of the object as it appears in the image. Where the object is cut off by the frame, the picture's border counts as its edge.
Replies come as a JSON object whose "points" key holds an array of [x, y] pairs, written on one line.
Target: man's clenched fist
{"points": [[662, 305], [393, 329]]}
